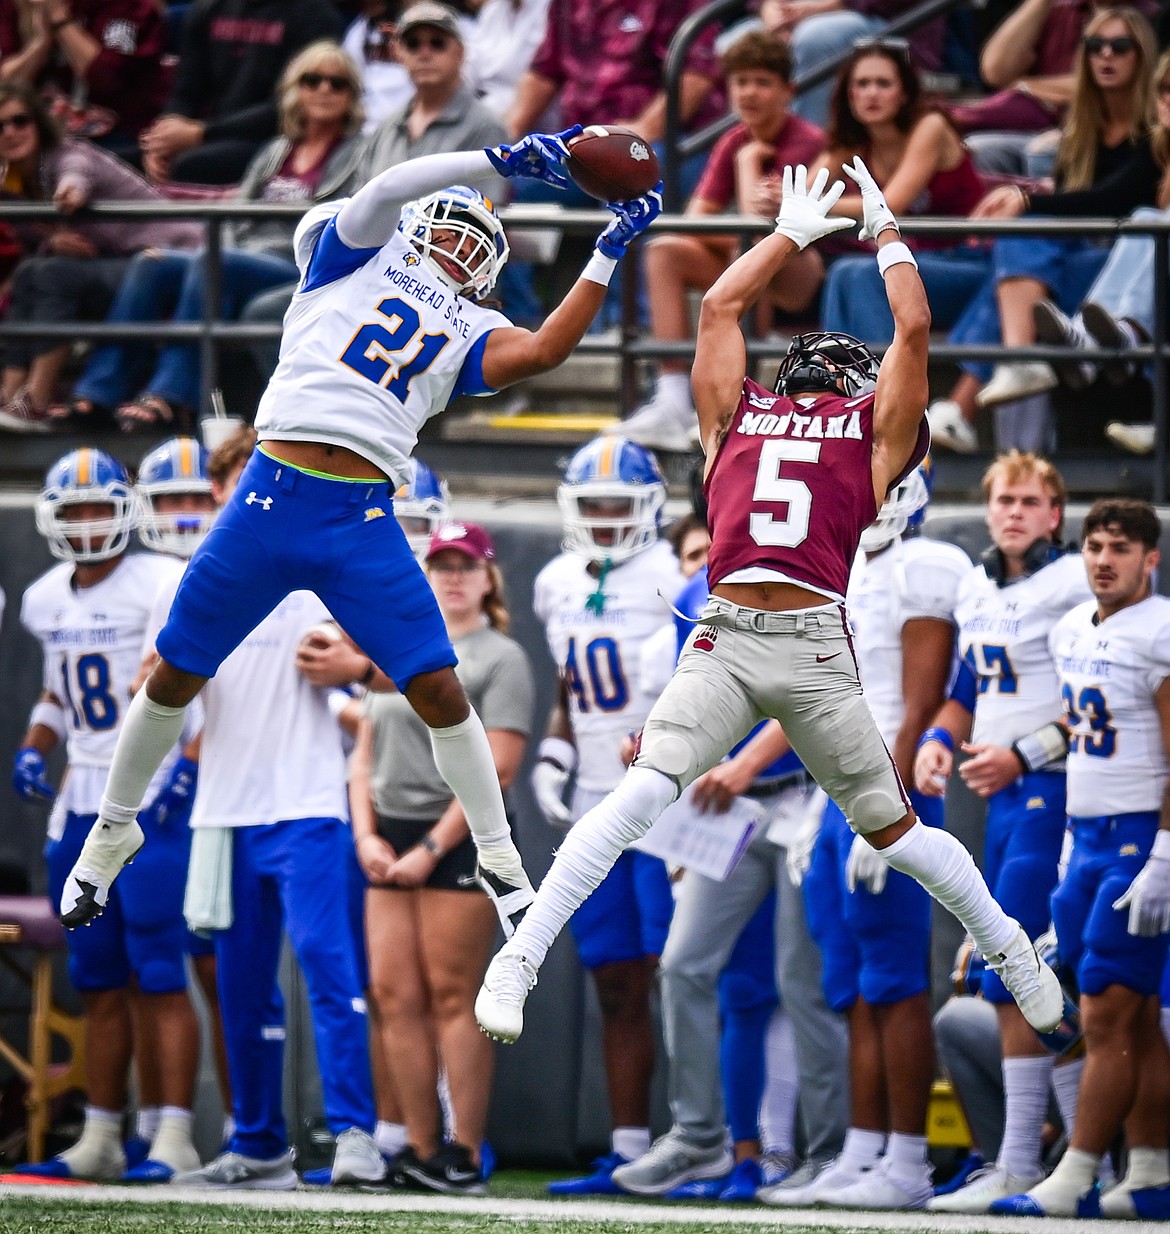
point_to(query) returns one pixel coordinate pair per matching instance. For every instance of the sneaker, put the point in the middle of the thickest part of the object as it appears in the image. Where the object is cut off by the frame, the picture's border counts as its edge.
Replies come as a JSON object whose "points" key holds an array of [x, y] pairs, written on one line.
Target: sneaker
{"points": [[661, 424], [1059, 330], [499, 1005], [745, 1180], [1139, 1204], [971, 1164], [1030, 981], [19, 415], [94, 1160], [149, 1171], [706, 1189], [949, 429], [600, 1182], [107, 848], [230, 1171], [811, 1184], [450, 1171], [137, 1149], [1109, 331], [981, 1190], [880, 1189], [671, 1162], [1136, 438], [356, 1159], [1020, 379], [1029, 1205], [511, 896]]}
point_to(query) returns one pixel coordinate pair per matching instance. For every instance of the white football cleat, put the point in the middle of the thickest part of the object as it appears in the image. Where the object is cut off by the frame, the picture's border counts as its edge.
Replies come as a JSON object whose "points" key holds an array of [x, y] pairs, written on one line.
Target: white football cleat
{"points": [[107, 848], [1030, 981], [798, 1193], [356, 1159], [982, 1189], [879, 1189], [499, 1005]]}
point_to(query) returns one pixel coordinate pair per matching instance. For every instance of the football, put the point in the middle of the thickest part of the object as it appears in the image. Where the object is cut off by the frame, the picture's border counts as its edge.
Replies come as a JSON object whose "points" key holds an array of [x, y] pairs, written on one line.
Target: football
{"points": [[612, 164]]}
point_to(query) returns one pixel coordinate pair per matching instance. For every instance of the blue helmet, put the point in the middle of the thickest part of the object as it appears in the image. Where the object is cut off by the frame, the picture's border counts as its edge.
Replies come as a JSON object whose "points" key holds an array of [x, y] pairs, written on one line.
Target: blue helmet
{"points": [[422, 506], [471, 216], [176, 468], [612, 471], [904, 509], [86, 477]]}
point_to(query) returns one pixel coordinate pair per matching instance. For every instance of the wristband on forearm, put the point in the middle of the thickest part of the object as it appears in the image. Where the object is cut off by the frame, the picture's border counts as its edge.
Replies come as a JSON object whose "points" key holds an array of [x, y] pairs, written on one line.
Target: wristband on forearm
{"points": [[51, 715], [941, 735], [599, 269], [1047, 745], [896, 254], [559, 752]]}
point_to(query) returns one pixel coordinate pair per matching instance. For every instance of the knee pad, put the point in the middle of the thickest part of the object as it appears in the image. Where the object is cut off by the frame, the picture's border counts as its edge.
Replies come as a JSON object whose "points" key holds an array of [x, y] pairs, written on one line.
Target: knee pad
{"points": [[873, 810]]}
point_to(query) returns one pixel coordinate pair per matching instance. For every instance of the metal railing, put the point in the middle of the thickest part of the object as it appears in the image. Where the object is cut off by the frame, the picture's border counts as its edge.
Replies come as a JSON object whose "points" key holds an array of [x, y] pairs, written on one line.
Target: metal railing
{"points": [[632, 344]]}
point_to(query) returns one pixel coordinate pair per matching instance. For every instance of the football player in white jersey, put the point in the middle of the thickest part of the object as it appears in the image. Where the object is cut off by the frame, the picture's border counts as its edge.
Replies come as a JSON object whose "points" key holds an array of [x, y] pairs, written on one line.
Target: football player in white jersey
{"points": [[1112, 909], [1006, 609], [599, 602], [384, 328], [90, 614], [873, 923]]}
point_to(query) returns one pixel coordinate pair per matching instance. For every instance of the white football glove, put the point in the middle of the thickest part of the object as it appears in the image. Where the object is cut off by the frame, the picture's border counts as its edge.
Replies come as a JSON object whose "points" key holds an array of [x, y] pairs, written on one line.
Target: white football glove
{"points": [[803, 210], [865, 867], [1148, 899], [878, 215], [548, 786]]}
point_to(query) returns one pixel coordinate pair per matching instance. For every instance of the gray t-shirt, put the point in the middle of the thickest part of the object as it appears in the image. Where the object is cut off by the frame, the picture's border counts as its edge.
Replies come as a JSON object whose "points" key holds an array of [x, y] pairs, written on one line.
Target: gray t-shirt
{"points": [[404, 782]]}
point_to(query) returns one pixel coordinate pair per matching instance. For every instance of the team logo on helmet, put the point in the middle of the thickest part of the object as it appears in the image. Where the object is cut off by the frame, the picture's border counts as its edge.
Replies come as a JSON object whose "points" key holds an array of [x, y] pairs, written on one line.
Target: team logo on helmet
{"points": [[470, 265], [87, 508]]}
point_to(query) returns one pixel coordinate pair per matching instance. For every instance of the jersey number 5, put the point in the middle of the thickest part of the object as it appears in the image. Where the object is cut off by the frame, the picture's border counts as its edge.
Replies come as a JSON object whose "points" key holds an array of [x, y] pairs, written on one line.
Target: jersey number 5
{"points": [[376, 350], [772, 487]]}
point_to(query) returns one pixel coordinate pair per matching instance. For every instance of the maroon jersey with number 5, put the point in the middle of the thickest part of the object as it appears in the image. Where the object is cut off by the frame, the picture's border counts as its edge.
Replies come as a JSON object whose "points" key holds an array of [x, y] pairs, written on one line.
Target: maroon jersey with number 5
{"points": [[791, 489]]}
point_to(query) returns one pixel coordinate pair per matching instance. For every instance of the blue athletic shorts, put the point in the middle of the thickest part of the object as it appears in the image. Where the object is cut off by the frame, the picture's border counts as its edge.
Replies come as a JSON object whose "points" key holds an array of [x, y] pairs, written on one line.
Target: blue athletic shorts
{"points": [[286, 530], [628, 916], [141, 932], [1094, 937], [1025, 828], [877, 947]]}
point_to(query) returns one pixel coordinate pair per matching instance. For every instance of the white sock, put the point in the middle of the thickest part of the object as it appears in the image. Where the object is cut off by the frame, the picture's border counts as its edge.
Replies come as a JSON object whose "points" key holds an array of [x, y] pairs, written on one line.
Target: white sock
{"points": [[98, 1153], [907, 1156], [781, 1086], [149, 731], [630, 1142], [103, 1123], [390, 1137], [229, 1127], [1066, 1085], [676, 387], [587, 856], [1147, 1167], [1025, 1102], [1074, 1175], [146, 1123], [464, 759], [862, 1149], [944, 867], [172, 1143]]}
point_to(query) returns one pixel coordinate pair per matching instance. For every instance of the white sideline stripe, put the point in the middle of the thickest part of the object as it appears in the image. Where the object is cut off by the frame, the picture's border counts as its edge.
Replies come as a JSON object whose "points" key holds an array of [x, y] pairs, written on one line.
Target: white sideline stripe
{"points": [[323, 1200]]}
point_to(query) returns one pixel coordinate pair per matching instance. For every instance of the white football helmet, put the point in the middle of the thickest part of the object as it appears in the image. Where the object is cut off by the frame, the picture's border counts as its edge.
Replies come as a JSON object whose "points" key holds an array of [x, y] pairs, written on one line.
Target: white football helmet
{"points": [[904, 507], [422, 505], [614, 471], [471, 216], [86, 477], [176, 468]]}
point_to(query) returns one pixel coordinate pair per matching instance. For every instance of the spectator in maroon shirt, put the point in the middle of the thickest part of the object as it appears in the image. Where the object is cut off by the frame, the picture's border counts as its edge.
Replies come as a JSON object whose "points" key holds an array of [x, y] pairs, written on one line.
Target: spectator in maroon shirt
{"points": [[223, 107], [742, 172], [99, 61]]}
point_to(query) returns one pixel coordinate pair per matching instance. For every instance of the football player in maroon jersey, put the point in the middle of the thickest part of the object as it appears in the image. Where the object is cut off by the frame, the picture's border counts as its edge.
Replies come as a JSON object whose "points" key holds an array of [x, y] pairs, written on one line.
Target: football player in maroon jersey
{"points": [[793, 477]]}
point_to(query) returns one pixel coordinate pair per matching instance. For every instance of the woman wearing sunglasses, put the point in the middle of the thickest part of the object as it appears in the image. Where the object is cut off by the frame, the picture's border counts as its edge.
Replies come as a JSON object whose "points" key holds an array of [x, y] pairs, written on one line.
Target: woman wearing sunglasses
{"points": [[1106, 133], [312, 160], [77, 263]]}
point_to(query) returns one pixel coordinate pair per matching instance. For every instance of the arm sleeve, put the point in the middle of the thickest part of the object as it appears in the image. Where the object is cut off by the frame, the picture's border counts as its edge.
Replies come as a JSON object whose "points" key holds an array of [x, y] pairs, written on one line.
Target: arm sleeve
{"points": [[1132, 185], [370, 217]]}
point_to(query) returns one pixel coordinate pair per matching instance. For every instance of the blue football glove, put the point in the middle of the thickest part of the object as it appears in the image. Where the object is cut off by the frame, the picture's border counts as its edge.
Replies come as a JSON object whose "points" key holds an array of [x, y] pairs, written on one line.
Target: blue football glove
{"points": [[28, 776], [539, 156], [176, 795], [633, 217]]}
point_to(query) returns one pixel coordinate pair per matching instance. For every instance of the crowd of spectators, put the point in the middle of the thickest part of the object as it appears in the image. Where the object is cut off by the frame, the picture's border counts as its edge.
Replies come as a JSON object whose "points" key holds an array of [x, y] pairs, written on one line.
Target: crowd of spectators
{"points": [[1053, 115]]}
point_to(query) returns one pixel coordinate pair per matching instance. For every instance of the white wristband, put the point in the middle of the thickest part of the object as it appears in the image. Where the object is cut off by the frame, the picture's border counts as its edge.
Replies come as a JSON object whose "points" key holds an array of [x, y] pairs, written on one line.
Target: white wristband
{"points": [[599, 268], [1161, 848], [895, 254], [51, 715], [559, 752]]}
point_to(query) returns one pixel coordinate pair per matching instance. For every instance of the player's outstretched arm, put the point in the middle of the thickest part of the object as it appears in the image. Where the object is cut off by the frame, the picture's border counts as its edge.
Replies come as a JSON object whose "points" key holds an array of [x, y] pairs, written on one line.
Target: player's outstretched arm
{"points": [[720, 353], [511, 355], [902, 392]]}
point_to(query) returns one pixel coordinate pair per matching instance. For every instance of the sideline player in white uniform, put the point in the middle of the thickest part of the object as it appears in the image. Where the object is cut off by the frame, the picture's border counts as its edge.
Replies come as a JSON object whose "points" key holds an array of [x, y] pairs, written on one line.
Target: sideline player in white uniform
{"points": [[1006, 609], [90, 614], [1113, 656], [383, 330], [873, 923], [599, 602]]}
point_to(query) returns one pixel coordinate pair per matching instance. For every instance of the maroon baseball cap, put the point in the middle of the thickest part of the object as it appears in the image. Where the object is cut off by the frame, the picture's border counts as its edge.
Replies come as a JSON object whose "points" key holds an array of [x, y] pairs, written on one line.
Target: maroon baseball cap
{"points": [[468, 538]]}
